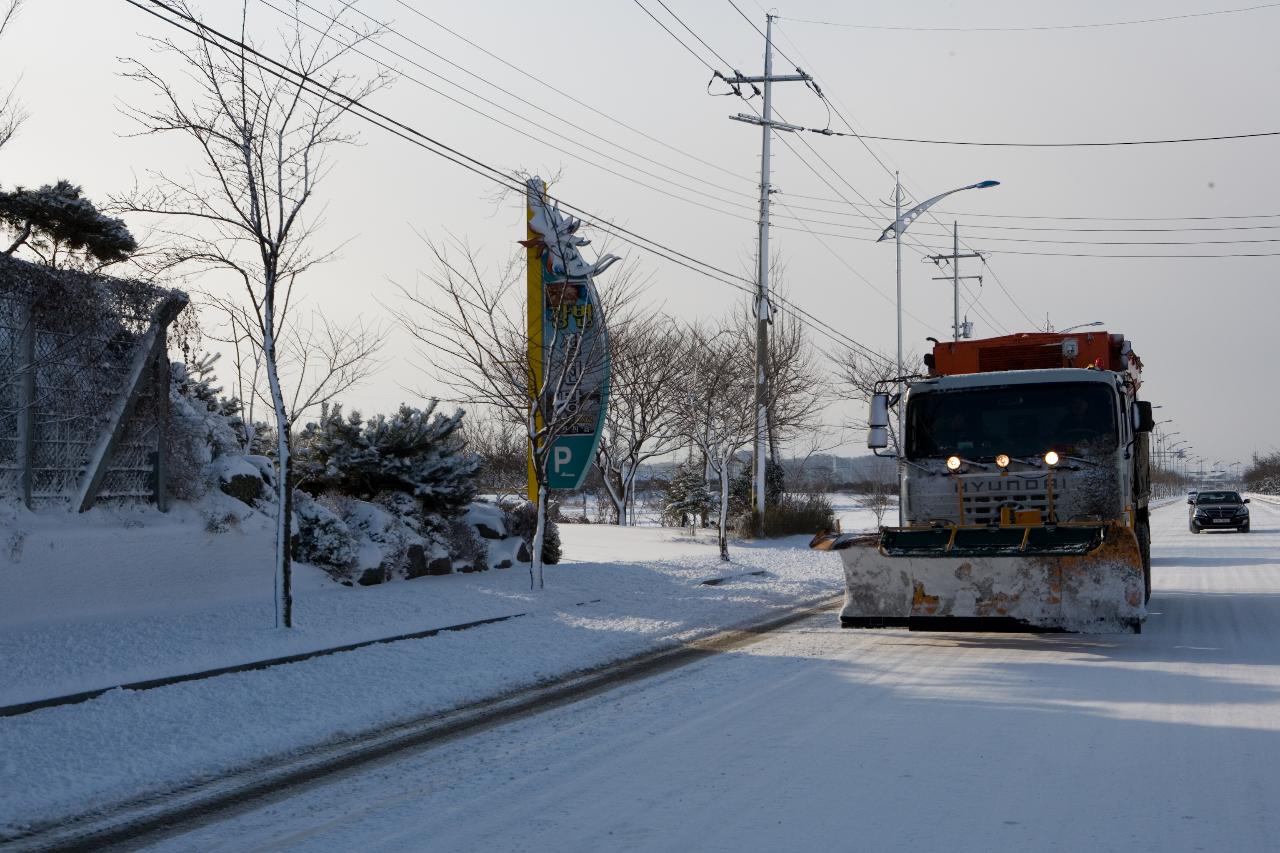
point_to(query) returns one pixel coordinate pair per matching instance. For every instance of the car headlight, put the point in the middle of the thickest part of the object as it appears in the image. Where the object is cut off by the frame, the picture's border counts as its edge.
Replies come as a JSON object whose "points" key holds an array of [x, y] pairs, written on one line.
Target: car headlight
{"points": [[1244, 510]]}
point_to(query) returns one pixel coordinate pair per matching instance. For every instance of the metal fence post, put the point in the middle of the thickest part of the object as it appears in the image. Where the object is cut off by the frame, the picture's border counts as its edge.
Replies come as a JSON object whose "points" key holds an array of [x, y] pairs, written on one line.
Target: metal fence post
{"points": [[26, 414], [161, 390]]}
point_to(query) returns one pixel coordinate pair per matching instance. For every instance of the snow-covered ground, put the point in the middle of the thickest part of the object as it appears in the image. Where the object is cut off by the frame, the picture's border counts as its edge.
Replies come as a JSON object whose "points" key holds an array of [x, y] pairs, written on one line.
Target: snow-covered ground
{"points": [[131, 595], [818, 738]]}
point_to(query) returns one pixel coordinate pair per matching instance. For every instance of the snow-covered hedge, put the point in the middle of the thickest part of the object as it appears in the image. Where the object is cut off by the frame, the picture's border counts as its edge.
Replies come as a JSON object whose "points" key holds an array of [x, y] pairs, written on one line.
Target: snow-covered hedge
{"points": [[389, 498]]}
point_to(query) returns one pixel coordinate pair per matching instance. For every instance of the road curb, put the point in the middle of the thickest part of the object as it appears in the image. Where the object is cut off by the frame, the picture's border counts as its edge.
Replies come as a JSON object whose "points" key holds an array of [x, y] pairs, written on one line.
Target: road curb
{"points": [[152, 683]]}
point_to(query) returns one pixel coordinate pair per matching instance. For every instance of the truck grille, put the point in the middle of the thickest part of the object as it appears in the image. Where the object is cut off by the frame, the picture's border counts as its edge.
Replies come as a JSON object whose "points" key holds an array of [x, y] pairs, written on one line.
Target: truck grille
{"points": [[985, 509]]}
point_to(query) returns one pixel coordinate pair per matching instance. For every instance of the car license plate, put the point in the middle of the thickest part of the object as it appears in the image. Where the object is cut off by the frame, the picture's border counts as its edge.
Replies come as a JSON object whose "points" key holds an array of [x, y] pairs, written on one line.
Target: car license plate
{"points": [[1222, 521]]}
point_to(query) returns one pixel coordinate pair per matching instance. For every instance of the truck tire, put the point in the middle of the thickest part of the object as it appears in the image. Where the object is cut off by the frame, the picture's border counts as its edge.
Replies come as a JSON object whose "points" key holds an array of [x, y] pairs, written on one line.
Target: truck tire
{"points": [[1143, 531]]}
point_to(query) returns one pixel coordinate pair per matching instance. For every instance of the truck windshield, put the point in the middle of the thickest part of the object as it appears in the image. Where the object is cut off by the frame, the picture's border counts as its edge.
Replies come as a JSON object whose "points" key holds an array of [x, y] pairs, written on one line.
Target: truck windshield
{"points": [[1020, 420]]}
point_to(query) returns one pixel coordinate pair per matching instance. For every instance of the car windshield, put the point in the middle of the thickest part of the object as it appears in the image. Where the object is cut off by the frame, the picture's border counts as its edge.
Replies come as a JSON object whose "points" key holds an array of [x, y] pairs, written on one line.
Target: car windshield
{"points": [[1218, 498], [1020, 420]]}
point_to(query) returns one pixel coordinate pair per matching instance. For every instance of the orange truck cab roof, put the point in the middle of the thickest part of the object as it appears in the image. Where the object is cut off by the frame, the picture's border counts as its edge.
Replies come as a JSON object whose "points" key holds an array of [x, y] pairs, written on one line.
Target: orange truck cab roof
{"points": [[1038, 351]]}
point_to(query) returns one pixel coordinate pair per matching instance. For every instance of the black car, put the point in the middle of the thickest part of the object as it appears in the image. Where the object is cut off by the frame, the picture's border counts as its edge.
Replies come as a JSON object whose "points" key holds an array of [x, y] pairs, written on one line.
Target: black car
{"points": [[1221, 510]]}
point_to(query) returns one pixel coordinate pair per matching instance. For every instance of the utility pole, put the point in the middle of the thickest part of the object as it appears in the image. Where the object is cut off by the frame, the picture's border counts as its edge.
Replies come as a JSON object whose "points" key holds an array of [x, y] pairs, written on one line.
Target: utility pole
{"points": [[957, 329], [763, 317]]}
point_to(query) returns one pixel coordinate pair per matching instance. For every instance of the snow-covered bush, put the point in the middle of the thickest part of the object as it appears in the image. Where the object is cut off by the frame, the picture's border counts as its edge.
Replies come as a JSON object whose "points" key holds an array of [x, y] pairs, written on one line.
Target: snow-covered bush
{"points": [[202, 428], [416, 451], [384, 539], [468, 550], [323, 539], [522, 521], [799, 514]]}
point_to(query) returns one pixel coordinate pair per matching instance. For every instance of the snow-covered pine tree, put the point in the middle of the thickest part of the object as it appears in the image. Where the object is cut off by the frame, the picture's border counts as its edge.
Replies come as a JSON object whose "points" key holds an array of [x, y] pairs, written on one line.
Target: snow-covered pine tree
{"points": [[775, 486], [688, 500], [62, 227], [416, 451], [197, 380], [334, 455], [422, 452]]}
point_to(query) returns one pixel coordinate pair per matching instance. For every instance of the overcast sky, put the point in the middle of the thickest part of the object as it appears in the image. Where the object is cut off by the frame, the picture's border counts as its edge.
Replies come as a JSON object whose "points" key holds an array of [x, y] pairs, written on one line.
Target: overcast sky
{"points": [[1204, 326]]}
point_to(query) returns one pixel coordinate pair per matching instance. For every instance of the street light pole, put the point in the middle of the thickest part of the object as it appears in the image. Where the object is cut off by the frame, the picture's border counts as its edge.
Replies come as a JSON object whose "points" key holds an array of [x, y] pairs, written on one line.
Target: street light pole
{"points": [[898, 227], [955, 280], [897, 215]]}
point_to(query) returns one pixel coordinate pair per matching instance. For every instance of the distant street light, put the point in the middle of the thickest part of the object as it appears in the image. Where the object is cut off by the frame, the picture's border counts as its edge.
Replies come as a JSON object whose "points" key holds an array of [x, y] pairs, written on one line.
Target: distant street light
{"points": [[1085, 326]]}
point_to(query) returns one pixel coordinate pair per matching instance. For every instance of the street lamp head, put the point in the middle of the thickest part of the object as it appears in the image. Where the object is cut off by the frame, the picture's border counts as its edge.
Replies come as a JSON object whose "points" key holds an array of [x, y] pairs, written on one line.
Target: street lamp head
{"points": [[1085, 326], [899, 225]]}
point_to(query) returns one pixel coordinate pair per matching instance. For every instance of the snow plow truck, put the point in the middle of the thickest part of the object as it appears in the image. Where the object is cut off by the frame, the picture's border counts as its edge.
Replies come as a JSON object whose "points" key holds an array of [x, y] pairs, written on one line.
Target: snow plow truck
{"points": [[1023, 491]]}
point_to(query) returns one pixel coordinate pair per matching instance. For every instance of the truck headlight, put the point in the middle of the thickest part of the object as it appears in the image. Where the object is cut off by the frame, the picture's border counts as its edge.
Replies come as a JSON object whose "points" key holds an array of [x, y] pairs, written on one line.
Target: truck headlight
{"points": [[1051, 458], [953, 463], [1002, 460]]}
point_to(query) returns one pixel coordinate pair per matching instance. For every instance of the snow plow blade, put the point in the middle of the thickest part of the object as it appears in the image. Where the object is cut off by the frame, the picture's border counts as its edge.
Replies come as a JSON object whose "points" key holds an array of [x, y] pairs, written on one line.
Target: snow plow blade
{"points": [[1069, 577]]}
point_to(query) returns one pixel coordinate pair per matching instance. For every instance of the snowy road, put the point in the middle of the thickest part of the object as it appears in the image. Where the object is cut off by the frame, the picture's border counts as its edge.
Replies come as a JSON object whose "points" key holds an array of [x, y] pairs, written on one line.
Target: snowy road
{"points": [[818, 738]]}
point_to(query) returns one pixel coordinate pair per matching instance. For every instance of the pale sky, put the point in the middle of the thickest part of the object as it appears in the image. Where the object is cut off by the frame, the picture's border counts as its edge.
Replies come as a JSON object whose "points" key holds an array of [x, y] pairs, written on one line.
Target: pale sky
{"points": [[1204, 326]]}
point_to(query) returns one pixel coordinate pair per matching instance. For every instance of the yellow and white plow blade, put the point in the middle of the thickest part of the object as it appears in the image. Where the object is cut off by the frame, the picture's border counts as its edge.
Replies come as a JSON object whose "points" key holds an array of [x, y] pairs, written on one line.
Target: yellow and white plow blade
{"points": [[1085, 578]]}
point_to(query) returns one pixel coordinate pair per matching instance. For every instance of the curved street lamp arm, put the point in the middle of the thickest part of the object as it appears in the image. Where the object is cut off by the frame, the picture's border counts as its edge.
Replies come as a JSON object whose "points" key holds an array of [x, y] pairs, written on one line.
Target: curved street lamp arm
{"points": [[900, 224]]}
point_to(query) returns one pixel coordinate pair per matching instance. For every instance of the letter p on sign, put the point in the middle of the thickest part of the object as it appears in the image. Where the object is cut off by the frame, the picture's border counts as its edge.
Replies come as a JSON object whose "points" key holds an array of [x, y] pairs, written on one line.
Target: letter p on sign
{"points": [[560, 457]]}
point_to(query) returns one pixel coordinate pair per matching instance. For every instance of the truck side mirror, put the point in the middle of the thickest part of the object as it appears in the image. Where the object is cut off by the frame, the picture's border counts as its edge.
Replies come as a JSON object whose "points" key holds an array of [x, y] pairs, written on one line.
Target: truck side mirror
{"points": [[878, 421], [1143, 418]]}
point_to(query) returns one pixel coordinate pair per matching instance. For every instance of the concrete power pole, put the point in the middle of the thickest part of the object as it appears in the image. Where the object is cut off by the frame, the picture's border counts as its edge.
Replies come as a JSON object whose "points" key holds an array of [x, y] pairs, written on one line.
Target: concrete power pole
{"points": [[763, 318], [958, 330]]}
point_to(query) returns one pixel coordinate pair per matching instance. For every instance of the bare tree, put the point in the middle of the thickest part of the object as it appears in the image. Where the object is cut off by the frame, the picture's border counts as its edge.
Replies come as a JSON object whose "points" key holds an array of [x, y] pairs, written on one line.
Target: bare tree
{"points": [[878, 499], [263, 138], [644, 404], [502, 446], [317, 358], [795, 382], [718, 405], [472, 330], [12, 115]]}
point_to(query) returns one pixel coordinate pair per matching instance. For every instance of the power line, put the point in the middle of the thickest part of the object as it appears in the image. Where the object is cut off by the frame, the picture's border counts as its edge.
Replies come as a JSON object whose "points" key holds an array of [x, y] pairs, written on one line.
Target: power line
{"points": [[692, 52], [849, 124], [986, 239], [1041, 28], [986, 144], [535, 124], [479, 167], [547, 84], [488, 82], [1164, 256], [422, 140], [542, 127], [1115, 218], [918, 247]]}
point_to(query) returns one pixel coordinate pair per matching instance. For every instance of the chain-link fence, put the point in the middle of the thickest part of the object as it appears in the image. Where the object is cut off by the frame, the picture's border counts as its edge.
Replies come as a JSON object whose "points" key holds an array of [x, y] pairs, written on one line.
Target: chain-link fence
{"points": [[83, 403]]}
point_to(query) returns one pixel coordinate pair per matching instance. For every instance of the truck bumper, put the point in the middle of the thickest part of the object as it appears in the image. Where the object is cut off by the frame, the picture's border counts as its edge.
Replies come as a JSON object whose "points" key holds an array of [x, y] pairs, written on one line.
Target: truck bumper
{"points": [[1085, 578]]}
